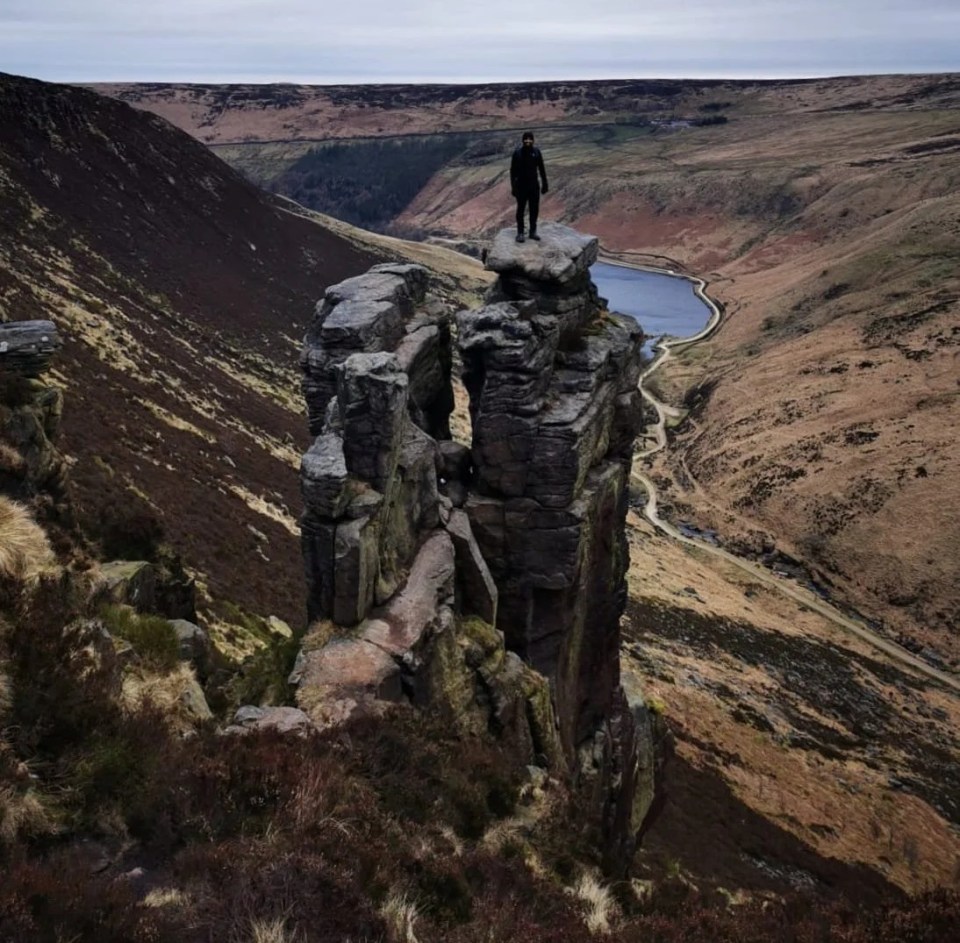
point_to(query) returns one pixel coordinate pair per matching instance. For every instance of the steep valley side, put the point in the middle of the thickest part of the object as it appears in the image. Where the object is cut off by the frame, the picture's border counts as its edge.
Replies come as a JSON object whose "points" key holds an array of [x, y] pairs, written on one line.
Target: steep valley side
{"points": [[181, 293], [804, 762]]}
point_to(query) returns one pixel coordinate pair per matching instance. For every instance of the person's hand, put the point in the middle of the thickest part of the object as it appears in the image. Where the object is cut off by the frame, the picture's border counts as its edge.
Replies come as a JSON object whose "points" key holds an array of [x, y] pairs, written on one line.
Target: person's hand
{"points": [[544, 188], [513, 192]]}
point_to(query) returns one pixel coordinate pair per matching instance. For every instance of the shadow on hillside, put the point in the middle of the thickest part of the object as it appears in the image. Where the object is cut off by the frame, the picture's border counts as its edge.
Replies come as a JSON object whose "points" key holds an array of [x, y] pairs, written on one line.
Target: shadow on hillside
{"points": [[909, 740], [705, 831]]}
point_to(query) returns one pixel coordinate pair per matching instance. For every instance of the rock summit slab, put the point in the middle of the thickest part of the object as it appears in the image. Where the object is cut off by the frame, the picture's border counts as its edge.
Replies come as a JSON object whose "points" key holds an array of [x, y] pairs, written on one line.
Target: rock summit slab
{"points": [[560, 256]]}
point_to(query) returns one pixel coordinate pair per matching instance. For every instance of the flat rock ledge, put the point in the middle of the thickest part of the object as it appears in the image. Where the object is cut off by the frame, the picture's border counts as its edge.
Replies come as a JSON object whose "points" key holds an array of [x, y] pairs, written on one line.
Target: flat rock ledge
{"points": [[560, 256], [27, 347]]}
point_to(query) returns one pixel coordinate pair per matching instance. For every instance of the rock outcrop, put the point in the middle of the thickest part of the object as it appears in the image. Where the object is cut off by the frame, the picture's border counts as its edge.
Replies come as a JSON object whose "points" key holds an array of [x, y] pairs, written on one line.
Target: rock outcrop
{"points": [[401, 602], [486, 583], [555, 410], [30, 413]]}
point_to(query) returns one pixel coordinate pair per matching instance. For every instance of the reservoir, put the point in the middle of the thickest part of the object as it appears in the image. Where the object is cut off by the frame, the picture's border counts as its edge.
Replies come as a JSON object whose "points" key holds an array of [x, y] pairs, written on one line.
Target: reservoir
{"points": [[663, 304]]}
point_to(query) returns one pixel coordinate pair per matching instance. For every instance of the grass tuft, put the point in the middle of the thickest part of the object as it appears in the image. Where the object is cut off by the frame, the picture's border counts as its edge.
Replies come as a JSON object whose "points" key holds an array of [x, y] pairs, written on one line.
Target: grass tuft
{"points": [[271, 931], [24, 549], [400, 915], [599, 904], [152, 637]]}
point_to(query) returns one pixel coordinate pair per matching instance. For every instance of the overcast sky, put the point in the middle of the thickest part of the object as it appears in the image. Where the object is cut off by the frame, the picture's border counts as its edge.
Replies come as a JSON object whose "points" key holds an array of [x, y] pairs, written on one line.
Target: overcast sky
{"points": [[355, 41]]}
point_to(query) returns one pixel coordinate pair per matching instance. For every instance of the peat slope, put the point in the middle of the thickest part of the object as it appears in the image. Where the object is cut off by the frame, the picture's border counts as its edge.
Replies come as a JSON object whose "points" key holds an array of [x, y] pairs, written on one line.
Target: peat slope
{"points": [[181, 293], [845, 687], [860, 723]]}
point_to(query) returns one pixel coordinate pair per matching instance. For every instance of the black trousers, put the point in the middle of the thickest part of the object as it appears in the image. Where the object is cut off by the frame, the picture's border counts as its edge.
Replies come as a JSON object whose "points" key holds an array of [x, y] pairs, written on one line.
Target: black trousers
{"points": [[523, 198]]}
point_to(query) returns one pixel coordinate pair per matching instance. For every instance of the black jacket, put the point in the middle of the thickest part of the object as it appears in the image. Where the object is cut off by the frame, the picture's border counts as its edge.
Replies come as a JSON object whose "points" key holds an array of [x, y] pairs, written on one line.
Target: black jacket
{"points": [[524, 167]]}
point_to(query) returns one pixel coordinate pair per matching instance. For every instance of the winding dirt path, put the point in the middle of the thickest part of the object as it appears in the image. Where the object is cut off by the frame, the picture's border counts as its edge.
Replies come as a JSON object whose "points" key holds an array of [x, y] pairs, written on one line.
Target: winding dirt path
{"points": [[757, 572]]}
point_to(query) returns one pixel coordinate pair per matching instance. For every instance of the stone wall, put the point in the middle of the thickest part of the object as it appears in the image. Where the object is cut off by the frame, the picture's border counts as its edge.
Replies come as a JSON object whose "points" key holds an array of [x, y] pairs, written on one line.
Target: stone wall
{"points": [[484, 583]]}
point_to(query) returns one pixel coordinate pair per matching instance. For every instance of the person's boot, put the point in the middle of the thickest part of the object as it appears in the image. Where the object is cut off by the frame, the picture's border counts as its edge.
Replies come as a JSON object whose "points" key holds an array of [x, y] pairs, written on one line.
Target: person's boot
{"points": [[520, 237], [534, 236]]}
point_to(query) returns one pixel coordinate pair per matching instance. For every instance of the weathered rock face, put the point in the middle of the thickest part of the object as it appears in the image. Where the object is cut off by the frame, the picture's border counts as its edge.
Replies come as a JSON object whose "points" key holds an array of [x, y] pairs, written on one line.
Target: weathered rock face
{"points": [[30, 412], [554, 272], [401, 601], [386, 310], [555, 410], [487, 583]]}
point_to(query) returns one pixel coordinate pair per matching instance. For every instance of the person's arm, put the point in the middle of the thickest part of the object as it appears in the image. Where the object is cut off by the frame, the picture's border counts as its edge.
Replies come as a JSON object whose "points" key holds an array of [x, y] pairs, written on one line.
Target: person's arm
{"points": [[515, 173], [543, 172]]}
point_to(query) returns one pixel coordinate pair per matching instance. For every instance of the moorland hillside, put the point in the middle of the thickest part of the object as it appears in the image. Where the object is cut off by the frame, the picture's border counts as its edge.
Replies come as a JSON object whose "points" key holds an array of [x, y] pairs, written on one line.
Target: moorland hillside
{"points": [[823, 212], [809, 778], [181, 294]]}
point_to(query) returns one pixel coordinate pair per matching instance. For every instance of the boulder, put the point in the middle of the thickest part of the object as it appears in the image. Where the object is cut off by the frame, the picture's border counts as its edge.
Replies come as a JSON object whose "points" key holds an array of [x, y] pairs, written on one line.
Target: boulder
{"points": [[193, 701], [282, 719], [195, 645], [27, 347], [131, 583]]}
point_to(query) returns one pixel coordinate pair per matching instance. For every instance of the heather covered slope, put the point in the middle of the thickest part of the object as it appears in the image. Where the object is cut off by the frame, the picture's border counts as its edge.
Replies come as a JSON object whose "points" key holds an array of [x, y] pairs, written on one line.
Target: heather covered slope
{"points": [[181, 293]]}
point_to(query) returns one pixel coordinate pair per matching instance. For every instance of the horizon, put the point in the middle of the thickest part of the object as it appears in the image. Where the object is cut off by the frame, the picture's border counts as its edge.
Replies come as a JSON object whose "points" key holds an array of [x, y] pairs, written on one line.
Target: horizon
{"points": [[332, 83]]}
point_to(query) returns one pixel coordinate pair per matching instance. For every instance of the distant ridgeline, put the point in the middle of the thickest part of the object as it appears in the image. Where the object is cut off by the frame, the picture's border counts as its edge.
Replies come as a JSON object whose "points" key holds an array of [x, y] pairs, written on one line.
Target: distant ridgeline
{"points": [[483, 583]]}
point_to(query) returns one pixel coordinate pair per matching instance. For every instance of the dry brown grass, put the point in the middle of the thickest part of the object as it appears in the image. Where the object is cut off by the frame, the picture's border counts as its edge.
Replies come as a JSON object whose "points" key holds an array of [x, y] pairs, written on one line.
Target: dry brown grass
{"points": [[400, 916], [172, 692], [24, 549], [10, 459], [24, 814], [166, 897], [271, 931], [598, 903]]}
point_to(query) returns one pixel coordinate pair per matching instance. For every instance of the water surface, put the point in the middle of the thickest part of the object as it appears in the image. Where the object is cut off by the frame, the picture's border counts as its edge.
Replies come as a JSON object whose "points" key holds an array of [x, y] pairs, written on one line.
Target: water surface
{"points": [[662, 304]]}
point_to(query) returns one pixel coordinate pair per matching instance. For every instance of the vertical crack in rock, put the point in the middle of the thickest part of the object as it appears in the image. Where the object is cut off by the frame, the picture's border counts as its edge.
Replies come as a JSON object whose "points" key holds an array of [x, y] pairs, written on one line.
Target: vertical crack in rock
{"points": [[486, 584]]}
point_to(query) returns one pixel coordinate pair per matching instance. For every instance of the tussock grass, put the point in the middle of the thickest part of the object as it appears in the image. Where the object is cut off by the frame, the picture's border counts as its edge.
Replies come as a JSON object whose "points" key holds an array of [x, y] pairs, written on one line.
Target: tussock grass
{"points": [[11, 460], [24, 549], [165, 897], [400, 915], [599, 905], [24, 814], [271, 931], [165, 691]]}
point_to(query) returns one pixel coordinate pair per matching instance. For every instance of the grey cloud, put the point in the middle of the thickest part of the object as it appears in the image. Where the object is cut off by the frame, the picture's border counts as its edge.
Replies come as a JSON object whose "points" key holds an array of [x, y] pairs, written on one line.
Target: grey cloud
{"points": [[373, 40]]}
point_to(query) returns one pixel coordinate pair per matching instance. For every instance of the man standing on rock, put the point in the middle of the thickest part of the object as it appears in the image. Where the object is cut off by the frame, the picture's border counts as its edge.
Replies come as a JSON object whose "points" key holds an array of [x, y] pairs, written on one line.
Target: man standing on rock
{"points": [[525, 185]]}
